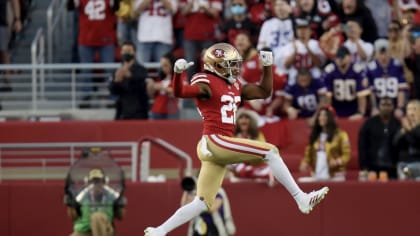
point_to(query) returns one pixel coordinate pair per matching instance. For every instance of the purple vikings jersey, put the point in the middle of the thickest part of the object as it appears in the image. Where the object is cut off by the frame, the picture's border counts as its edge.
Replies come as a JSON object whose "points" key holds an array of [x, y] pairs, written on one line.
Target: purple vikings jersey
{"points": [[345, 88], [305, 99], [386, 82]]}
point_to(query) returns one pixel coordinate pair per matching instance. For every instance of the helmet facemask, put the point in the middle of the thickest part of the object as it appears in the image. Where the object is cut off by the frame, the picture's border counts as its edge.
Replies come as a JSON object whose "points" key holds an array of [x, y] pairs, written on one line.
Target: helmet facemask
{"points": [[231, 69]]}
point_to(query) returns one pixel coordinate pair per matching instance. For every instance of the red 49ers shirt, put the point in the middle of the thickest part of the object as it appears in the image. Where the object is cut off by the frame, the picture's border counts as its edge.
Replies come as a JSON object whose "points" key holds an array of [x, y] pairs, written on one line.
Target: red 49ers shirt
{"points": [[97, 22]]}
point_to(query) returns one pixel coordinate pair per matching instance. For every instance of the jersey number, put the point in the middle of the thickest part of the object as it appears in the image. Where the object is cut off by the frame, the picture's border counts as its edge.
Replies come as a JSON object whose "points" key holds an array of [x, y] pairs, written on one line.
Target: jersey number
{"points": [[156, 8], [95, 10], [386, 87], [228, 110], [344, 90], [280, 38], [308, 102]]}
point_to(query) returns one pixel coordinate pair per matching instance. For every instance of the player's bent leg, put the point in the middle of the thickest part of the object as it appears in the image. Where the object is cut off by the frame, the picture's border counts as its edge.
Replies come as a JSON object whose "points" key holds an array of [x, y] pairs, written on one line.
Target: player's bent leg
{"points": [[229, 150], [305, 201], [209, 181]]}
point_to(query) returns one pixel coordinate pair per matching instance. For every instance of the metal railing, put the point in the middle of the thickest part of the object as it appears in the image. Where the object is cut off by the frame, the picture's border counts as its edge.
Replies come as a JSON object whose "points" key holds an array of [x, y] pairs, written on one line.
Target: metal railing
{"points": [[145, 146], [42, 157], [57, 29], [60, 86], [37, 58]]}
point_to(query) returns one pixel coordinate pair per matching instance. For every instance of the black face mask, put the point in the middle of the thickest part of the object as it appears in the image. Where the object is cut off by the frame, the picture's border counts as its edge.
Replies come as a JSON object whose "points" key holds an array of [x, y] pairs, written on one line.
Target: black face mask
{"points": [[127, 57]]}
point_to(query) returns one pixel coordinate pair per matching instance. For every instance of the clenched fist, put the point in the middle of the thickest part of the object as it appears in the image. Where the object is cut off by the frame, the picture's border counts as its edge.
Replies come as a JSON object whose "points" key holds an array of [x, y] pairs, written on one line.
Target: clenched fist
{"points": [[266, 58]]}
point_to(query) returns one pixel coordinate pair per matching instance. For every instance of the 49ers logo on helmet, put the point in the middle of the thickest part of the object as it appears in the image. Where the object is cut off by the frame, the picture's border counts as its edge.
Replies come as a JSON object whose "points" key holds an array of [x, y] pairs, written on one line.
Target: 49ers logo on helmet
{"points": [[219, 53]]}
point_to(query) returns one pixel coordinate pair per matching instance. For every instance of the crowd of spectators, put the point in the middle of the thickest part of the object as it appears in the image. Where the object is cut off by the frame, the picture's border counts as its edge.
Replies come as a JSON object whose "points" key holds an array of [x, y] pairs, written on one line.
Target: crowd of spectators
{"points": [[350, 56], [346, 53], [354, 56]]}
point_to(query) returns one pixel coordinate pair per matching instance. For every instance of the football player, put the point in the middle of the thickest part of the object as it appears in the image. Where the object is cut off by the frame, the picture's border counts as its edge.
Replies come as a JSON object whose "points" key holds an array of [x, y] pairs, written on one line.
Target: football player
{"points": [[217, 94]]}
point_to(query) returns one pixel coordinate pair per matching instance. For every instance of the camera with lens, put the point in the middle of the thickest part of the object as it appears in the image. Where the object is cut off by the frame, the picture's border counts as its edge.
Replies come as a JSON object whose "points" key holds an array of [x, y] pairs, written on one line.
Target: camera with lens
{"points": [[188, 184]]}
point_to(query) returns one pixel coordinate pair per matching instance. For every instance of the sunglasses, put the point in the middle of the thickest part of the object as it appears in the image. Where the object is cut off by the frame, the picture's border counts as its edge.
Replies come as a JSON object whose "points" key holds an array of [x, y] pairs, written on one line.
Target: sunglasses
{"points": [[393, 29]]}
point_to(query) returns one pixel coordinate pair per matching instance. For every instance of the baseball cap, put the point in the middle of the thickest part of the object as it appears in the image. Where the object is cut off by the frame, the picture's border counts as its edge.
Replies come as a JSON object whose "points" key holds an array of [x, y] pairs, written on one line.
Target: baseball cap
{"points": [[301, 22], [96, 174], [408, 5], [342, 52], [381, 45]]}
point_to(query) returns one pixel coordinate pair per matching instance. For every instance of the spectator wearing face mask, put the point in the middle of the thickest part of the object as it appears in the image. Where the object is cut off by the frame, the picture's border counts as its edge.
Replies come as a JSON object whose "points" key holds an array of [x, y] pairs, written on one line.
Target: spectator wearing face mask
{"points": [[240, 23], [129, 84]]}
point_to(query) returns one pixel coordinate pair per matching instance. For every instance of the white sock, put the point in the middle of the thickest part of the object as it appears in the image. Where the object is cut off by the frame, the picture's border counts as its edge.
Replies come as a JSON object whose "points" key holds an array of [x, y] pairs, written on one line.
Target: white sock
{"points": [[282, 174], [183, 215]]}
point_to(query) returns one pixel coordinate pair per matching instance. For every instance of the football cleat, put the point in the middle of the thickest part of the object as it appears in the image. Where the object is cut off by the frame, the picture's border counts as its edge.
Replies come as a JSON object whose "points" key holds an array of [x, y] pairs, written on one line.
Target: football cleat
{"points": [[312, 199], [150, 231]]}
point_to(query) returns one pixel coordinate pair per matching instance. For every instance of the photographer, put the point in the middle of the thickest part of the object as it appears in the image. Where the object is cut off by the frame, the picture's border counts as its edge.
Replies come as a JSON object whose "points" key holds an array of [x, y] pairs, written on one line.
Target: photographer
{"points": [[215, 222], [94, 208]]}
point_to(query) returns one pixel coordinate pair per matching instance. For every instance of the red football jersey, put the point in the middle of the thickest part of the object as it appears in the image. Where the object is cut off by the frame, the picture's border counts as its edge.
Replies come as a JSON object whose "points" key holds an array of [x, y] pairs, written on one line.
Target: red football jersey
{"points": [[165, 103], [97, 22], [199, 25], [218, 112]]}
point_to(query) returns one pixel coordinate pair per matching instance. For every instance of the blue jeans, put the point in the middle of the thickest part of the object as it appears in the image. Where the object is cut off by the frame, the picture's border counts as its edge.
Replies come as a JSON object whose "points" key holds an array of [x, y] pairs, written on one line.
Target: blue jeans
{"points": [[87, 55], [75, 45], [192, 52], [151, 51], [179, 38], [126, 32]]}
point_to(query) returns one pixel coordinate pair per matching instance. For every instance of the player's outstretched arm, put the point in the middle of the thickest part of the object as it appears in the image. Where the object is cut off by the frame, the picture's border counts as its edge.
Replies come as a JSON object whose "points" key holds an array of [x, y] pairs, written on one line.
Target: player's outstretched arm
{"points": [[187, 91], [263, 89]]}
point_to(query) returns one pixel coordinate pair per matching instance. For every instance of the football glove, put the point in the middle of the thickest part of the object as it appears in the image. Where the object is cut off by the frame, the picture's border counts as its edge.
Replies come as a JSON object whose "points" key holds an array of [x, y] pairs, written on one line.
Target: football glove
{"points": [[266, 58], [182, 65]]}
